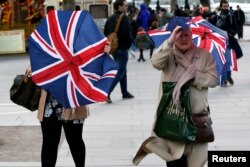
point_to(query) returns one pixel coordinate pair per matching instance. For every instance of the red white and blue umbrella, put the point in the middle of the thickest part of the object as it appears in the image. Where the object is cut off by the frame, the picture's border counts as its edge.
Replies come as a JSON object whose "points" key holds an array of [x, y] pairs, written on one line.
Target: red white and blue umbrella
{"points": [[204, 35], [231, 60], [68, 60], [207, 36], [159, 35]]}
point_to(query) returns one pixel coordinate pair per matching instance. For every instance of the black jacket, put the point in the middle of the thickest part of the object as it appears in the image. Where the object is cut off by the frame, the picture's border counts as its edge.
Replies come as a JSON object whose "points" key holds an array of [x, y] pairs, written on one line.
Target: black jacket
{"points": [[124, 34]]}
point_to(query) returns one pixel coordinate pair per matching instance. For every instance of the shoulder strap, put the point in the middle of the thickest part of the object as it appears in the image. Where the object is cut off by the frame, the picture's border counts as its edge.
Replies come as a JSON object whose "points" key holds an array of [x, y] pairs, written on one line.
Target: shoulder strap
{"points": [[118, 23]]}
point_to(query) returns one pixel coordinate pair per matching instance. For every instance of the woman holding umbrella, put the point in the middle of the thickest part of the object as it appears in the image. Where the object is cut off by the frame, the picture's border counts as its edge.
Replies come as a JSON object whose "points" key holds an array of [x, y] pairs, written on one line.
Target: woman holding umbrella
{"points": [[53, 117], [181, 61]]}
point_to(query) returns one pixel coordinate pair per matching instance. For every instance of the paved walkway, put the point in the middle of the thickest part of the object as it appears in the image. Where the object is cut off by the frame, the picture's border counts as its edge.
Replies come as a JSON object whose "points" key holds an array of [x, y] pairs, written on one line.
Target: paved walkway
{"points": [[114, 131]]}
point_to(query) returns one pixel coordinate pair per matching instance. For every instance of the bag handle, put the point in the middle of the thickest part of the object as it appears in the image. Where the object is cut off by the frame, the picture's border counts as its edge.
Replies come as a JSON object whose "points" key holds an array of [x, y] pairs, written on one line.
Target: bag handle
{"points": [[27, 74], [118, 23]]}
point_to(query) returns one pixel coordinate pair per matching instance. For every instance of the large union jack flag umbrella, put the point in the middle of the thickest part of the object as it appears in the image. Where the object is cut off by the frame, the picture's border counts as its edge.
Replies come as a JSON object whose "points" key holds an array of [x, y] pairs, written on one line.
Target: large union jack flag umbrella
{"points": [[211, 38], [204, 35], [68, 60]]}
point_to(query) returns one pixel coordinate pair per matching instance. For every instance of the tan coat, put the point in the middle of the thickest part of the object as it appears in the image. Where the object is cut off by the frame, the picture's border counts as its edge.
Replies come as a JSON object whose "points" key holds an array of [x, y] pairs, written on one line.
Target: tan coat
{"points": [[67, 114], [205, 77]]}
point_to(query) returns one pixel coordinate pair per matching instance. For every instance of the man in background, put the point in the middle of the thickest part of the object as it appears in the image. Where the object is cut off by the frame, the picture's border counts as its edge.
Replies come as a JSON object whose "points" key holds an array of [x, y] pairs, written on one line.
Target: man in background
{"points": [[240, 18], [124, 43]]}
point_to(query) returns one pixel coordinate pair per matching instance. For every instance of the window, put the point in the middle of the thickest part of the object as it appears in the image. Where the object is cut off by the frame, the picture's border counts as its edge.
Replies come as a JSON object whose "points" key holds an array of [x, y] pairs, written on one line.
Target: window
{"points": [[99, 11]]}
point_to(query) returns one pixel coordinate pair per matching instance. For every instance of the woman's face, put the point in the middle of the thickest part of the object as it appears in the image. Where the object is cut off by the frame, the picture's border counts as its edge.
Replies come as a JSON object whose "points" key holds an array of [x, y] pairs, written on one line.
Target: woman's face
{"points": [[184, 42]]}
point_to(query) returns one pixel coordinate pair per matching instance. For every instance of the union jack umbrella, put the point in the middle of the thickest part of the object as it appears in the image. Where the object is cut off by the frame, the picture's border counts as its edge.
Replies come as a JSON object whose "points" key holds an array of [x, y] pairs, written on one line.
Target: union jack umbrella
{"points": [[204, 35], [207, 36], [159, 35], [68, 60], [231, 60]]}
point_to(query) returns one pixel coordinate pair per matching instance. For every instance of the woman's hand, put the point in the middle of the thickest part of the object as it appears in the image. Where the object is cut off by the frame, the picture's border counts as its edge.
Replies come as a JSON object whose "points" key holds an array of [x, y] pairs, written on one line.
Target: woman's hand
{"points": [[28, 71], [107, 47], [174, 35]]}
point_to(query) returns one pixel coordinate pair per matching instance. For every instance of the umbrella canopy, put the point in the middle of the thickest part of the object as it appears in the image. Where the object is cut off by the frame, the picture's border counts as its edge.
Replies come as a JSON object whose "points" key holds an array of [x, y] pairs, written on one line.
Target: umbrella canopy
{"points": [[204, 35], [162, 33], [159, 35], [207, 36], [68, 60], [231, 60]]}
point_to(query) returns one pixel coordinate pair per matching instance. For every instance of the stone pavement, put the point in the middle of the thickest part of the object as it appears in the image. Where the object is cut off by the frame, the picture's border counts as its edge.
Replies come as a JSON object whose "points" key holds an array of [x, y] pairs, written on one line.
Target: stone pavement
{"points": [[114, 131]]}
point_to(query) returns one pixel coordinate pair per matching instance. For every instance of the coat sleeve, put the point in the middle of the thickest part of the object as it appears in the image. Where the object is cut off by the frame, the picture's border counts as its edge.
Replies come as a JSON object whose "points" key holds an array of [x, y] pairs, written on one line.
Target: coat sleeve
{"points": [[207, 76], [159, 59]]}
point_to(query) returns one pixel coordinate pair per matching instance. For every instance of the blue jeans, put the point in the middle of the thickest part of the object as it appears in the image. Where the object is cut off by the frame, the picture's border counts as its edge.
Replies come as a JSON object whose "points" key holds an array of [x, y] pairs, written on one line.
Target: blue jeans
{"points": [[121, 57]]}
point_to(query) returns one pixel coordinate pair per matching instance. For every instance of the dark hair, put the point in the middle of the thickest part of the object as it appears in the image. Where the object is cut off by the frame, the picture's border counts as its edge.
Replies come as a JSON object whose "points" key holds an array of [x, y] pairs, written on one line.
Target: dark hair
{"points": [[223, 1], [118, 3]]}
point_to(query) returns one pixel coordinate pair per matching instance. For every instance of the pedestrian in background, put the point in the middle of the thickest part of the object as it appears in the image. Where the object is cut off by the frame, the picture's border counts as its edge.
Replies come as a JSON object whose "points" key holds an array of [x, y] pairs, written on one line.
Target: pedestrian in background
{"points": [[153, 26], [134, 28], [240, 18], [142, 42], [144, 17], [225, 20], [124, 43]]}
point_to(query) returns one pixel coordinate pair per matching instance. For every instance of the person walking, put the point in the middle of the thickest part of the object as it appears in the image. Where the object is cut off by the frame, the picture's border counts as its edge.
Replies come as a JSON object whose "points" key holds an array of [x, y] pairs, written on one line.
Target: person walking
{"points": [[240, 18], [179, 59], [226, 21], [124, 43], [134, 28], [144, 17], [142, 42], [53, 117]]}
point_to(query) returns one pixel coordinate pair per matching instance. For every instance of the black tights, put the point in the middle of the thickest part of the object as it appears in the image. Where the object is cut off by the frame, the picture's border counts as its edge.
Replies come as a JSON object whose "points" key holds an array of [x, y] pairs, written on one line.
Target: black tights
{"points": [[182, 162], [141, 55], [51, 129]]}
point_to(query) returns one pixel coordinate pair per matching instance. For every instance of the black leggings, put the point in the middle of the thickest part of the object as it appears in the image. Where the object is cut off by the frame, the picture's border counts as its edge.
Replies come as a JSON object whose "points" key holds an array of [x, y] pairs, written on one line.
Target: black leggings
{"points": [[182, 162], [51, 130]]}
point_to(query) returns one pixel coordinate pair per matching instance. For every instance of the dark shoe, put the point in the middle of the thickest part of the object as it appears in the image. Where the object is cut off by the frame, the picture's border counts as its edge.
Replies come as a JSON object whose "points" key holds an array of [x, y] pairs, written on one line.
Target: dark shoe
{"points": [[230, 80], [143, 60], [109, 100], [224, 84], [139, 60], [127, 96]]}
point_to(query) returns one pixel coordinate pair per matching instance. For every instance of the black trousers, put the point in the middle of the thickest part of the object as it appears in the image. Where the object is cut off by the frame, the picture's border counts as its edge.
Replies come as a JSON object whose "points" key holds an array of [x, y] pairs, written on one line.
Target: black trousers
{"points": [[141, 55], [51, 130], [182, 162]]}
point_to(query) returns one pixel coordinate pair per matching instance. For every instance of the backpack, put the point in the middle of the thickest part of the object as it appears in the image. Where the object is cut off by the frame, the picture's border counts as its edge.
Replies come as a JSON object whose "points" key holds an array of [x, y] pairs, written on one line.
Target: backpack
{"points": [[112, 37]]}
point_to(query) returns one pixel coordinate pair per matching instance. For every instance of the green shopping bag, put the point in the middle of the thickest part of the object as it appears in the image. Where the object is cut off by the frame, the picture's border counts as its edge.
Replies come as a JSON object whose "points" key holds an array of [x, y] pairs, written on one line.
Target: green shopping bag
{"points": [[174, 122]]}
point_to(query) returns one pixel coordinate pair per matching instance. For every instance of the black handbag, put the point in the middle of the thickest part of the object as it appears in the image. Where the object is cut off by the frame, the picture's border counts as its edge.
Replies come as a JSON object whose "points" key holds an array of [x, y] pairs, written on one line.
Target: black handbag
{"points": [[174, 122], [25, 92]]}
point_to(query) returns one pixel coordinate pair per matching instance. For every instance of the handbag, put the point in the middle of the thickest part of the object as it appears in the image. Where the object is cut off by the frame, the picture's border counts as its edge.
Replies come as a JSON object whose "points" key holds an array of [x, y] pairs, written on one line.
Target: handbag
{"points": [[25, 92], [203, 124], [173, 121]]}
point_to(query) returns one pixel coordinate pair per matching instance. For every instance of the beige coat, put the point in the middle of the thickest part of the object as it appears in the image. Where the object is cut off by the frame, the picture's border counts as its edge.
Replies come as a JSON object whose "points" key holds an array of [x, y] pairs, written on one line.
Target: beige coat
{"points": [[205, 77], [67, 114]]}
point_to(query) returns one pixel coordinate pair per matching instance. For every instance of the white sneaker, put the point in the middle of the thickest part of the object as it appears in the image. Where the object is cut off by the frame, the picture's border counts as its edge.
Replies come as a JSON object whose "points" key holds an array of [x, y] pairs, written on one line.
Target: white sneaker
{"points": [[132, 53]]}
